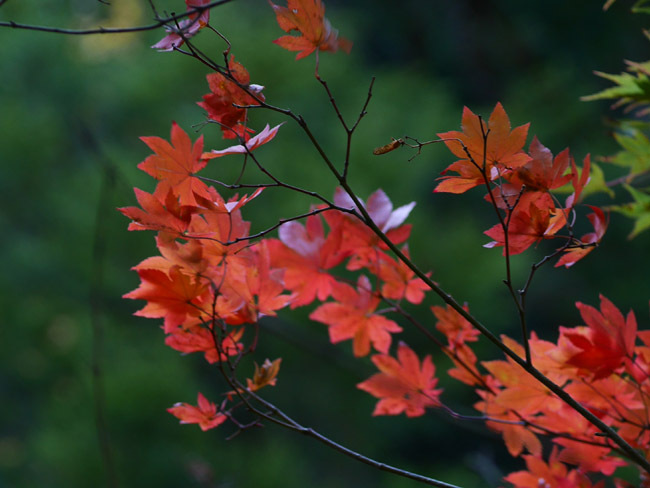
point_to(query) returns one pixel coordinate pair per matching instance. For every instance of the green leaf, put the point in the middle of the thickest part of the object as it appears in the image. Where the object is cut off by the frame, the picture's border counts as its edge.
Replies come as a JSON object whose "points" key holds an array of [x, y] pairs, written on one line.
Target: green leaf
{"points": [[636, 151], [638, 7], [597, 182], [630, 87], [638, 210]]}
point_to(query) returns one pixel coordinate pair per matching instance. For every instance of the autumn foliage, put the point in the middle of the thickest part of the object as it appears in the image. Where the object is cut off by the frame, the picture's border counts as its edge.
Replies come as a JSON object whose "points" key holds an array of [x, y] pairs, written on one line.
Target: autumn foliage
{"points": [[348, 260]]}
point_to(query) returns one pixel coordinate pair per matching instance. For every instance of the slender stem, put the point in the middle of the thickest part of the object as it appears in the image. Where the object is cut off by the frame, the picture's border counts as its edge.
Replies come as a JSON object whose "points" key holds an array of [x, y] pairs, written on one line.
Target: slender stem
{"points": [[118, 30]]}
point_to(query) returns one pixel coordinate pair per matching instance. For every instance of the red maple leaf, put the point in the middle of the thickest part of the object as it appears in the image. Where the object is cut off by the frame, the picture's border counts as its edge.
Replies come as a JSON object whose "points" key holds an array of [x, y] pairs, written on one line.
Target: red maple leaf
{"points": [[306, 254], [316, 32], [403, 384], [526, 226], [166, 215], [353, 316], [588, 242], [206, 414], [172, 296], [454, 326], [552, 475], [227, 100], [543, 172], [579, 180], [399, 281], [200, 339], [502, 152], [600, 348], [175, 165], [358, 239], [256, 285]]}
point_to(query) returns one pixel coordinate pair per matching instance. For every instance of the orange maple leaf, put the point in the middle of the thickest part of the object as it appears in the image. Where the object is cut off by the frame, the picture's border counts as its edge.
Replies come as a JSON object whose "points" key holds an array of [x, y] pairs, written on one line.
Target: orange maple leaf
{"points": [[265, 375], [316, 32], [501, 153], [175, 165], [404, 384]]}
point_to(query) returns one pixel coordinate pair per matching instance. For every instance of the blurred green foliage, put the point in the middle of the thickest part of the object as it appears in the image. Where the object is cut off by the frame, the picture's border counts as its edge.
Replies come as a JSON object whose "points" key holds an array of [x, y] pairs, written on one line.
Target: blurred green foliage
{"points": [[71, 111]]}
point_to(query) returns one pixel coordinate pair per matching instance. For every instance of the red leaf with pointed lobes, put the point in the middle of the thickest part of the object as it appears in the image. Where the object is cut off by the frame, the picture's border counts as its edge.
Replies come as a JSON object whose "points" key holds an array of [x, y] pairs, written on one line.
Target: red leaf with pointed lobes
{"points": [[602, 347], [553, 474], [504, 150], [454, 326], [588, 242], [543, 173], [579, 180], [306, 254], [527, 226], [359, 240], [399, 281], [404, 385], [205, 414], [172, 296], [226, 98], [352, 316], [253, 288], [200, 339], [308, 18], [175, 165], [156, 214]]}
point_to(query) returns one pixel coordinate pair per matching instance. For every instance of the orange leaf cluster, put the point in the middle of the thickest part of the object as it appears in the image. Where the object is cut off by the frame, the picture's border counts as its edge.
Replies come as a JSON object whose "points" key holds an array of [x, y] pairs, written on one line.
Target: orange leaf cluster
{"points": [[598, 364], [519, 185]]}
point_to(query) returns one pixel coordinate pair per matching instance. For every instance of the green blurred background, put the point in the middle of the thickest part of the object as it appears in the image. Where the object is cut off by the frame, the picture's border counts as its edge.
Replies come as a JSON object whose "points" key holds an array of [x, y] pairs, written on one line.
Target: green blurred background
{"points": [[71, 112]]}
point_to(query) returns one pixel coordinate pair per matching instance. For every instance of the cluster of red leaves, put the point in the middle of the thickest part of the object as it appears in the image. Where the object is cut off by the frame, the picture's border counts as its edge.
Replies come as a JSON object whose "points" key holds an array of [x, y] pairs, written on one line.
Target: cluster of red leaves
{"points": [[519, 185], [210, 284], [598, 364], [210, 281]]}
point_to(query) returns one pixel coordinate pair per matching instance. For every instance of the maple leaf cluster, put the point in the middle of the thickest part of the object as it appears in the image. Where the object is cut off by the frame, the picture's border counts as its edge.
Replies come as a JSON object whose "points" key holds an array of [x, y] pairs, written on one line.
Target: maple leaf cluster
{"points": [[599, 364], [519, 185], [213, 281]]}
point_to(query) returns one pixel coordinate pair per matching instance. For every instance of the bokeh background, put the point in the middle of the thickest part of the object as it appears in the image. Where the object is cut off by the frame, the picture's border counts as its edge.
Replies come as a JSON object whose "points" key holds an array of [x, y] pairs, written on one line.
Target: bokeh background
{"points": [[71, 111]]}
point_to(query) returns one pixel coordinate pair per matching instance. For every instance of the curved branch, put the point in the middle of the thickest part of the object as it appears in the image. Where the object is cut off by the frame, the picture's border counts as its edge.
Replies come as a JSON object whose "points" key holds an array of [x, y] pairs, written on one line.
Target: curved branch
{"points": [[113, 30]]}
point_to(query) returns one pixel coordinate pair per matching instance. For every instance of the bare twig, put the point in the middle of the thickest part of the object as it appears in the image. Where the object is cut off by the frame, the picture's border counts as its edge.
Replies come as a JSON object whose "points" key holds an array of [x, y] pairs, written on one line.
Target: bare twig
{"points": [[117, 30]]}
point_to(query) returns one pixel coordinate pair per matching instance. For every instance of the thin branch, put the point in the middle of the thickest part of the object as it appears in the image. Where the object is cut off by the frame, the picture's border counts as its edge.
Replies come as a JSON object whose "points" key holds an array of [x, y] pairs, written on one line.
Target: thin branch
{"points": [[608, 431], [117, 30]]}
